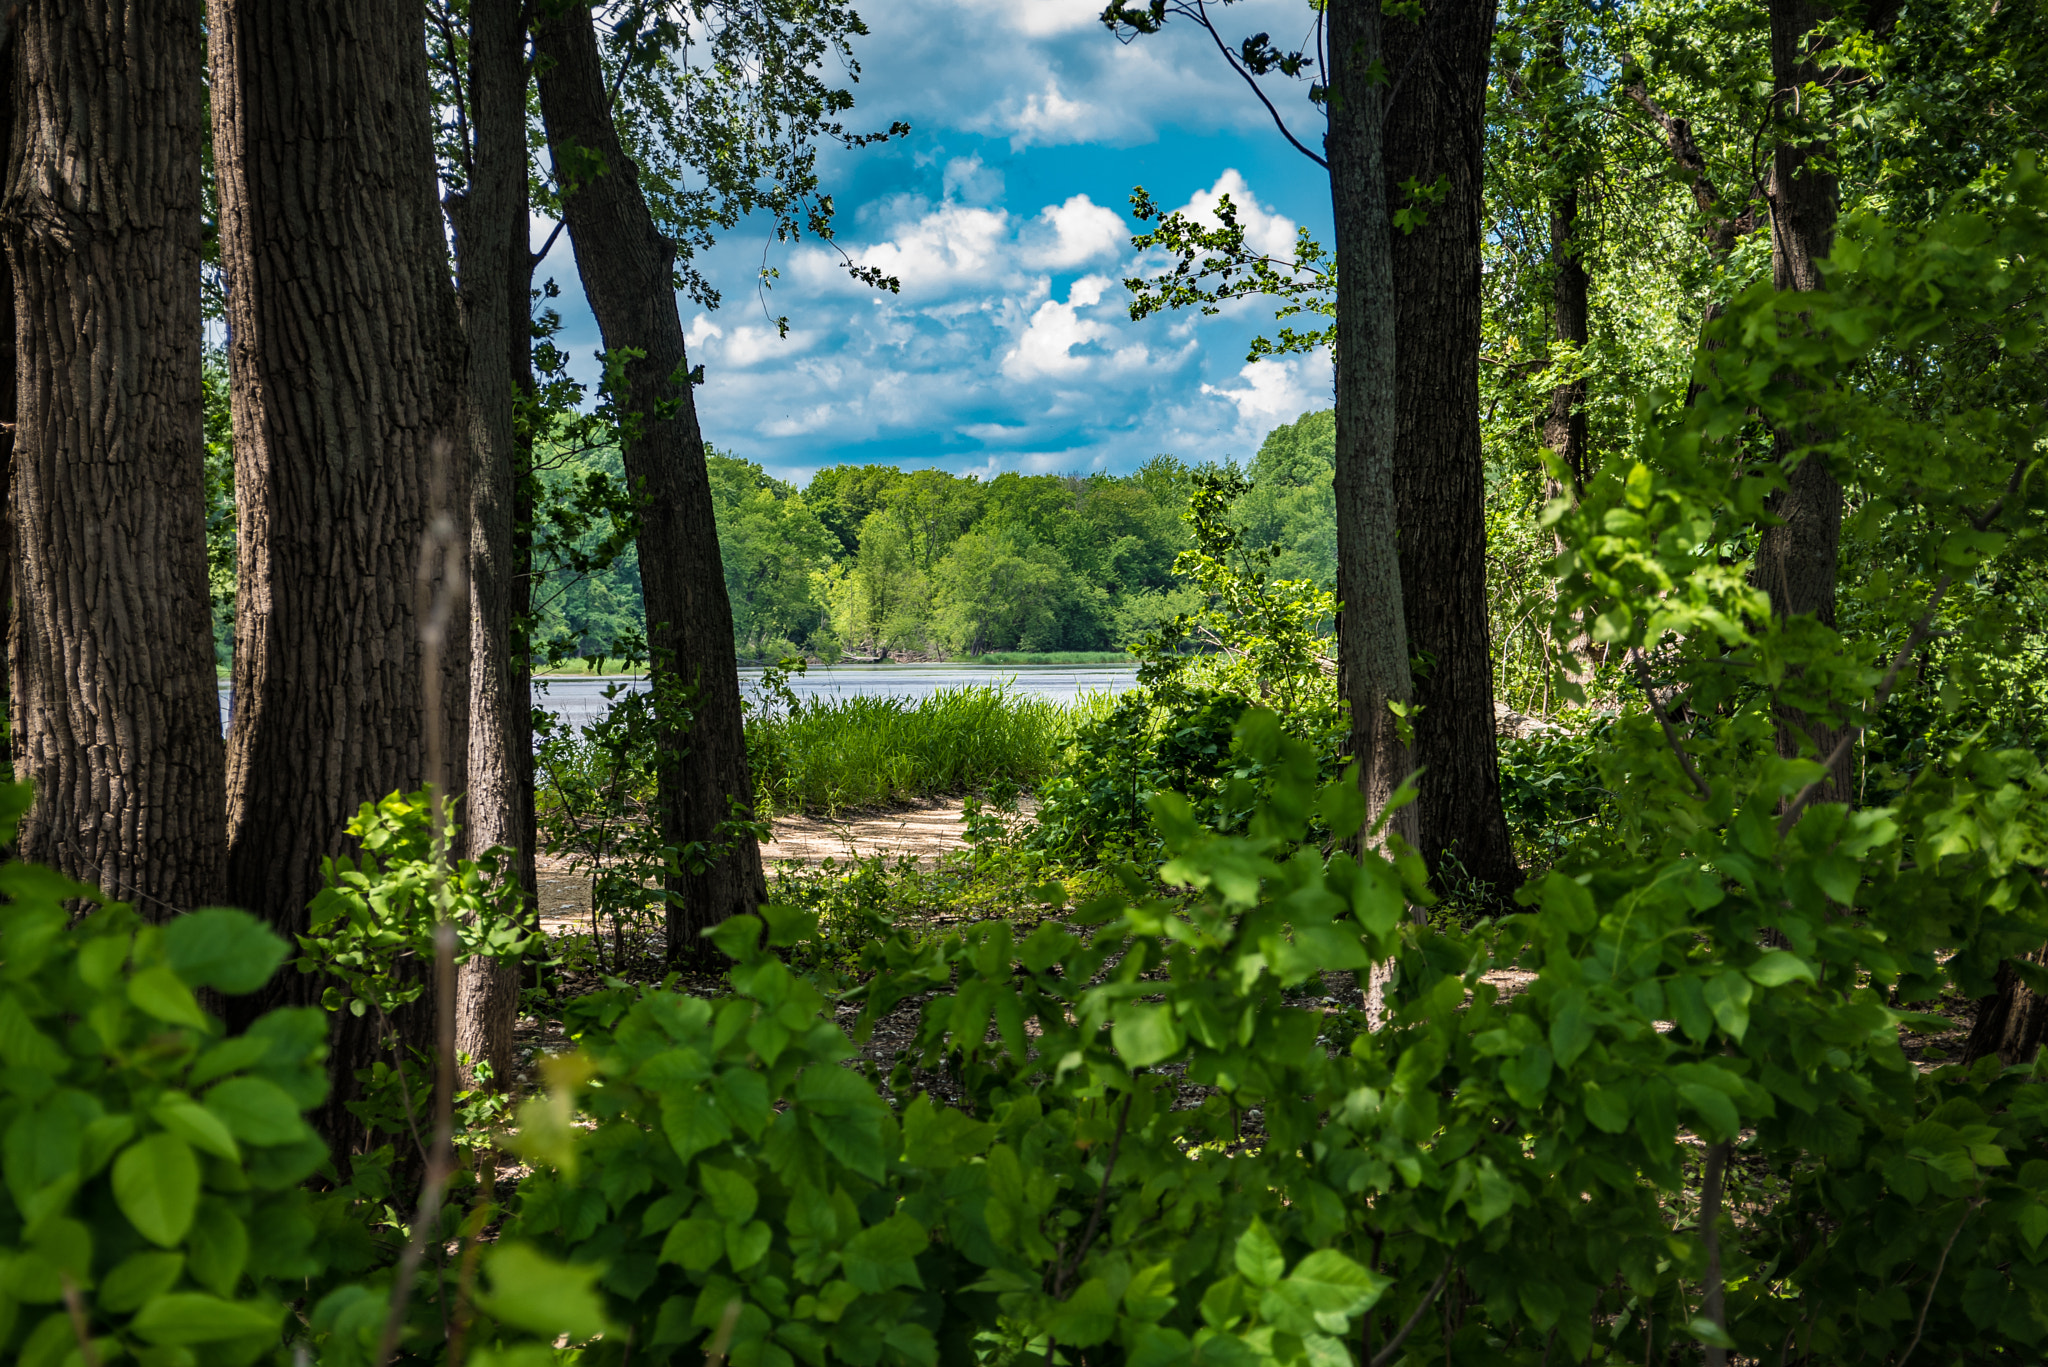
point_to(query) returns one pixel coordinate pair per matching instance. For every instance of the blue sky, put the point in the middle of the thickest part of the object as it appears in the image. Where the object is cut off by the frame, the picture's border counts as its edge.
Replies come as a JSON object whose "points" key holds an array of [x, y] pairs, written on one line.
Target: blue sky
{"points": [[1005, 214]]}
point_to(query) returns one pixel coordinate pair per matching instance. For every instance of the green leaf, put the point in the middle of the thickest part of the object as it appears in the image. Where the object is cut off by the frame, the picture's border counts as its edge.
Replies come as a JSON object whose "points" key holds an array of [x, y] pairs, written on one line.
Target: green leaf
{"points": [[1258, 1255], [1689, 1005], [1147, 1034], [1779, 967], [693, 1244], [1570, 1030], [746, 1244], [257, 1111], [1607, 1109], [1333, 1286], [138, 1278], [198, 1127], [531, 1291], [159, 992], [222, 948], [1149, 1295], [1713, 1106], [1706, 1331], [731, 1195], [156, 1184], [1085, 1318], [884, 1255], [1728, 994], [692, 1123], [180, 1318], [218, 1245]]}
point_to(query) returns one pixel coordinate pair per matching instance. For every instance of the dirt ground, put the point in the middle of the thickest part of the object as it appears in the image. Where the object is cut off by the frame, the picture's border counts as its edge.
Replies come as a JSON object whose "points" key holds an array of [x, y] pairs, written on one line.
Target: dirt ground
{"points": [[924, 831]]}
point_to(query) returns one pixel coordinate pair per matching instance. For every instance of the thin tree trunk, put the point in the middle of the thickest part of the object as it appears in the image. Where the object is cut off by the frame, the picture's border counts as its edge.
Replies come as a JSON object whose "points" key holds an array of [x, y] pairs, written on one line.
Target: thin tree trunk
{"points": [[1435, 136], [625, 265], [1796, 561], [1373, 635], [345, 359], [113, 678], [1564, 421], [489, 215]]}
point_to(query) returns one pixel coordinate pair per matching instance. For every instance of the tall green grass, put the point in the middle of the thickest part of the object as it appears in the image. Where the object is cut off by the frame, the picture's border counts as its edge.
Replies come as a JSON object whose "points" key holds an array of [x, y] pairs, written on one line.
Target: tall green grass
{"points": [[830, 754]]}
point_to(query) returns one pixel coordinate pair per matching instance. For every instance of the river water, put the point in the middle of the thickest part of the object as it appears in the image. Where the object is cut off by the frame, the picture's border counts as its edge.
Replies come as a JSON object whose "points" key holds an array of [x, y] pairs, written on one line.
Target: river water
{"points": [[579, 698]]}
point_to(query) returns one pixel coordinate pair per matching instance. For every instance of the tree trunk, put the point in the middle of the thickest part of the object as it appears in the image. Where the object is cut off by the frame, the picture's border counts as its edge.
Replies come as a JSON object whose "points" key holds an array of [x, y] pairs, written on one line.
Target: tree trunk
{"points": [[113, 678], [2011, 1023], [1796, 559], [1564, 421], [1435, 134], [345, 360], [9, 355], [1373, 632], [491, 262], [625, 265]]}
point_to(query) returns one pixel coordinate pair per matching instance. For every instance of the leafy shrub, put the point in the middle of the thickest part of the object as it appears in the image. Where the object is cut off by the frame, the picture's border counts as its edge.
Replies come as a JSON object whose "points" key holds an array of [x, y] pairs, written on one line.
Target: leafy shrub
{"points": [[153, 1204]]}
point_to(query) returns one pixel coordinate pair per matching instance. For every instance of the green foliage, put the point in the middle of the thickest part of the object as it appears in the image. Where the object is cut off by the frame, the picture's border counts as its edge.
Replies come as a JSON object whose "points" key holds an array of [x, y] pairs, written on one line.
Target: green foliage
{"points": [[1252, 640], [152, 1200], [372, 925], [775, 552]]}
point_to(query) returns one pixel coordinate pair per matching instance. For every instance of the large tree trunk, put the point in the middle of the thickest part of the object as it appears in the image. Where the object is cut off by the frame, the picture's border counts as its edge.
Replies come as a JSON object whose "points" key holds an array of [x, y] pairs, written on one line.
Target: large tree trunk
{"points": [[625, 265], [1796, 559], [491, 262], [1435, 135], [9, 355], [345, 359], [113, 677], [1372, 644]]}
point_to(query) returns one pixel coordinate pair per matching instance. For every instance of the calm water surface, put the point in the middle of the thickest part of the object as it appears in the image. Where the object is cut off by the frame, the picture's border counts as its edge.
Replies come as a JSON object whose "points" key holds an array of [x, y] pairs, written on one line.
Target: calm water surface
{"points": [[578, 698]]}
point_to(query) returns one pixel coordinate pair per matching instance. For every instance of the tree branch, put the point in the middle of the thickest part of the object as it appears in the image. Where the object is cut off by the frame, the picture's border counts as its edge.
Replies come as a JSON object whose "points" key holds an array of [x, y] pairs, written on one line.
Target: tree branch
{"points": [[1386, 1354], [1664, 720], [1920, 1324], [1723, 229], [1200, 15]]}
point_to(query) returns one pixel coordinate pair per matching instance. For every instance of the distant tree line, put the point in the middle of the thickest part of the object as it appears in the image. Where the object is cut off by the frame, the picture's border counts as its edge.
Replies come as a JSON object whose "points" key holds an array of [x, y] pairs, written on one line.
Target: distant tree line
{"points": [[873, 561]]}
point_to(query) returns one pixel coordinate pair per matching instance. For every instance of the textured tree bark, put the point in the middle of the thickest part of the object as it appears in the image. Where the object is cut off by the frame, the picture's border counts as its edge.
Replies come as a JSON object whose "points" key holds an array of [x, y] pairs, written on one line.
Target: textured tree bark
{"points": [[345, 362], [1564, 421], [9, 354], [1796, 561], [1435, 133], [112, 661], [2011, 1023], [625, 265], [1372, 647], [491, 262]]}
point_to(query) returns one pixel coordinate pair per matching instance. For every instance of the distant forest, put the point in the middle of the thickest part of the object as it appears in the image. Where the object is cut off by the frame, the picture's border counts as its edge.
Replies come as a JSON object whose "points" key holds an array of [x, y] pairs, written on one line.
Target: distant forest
{"points": [[873, 560]]}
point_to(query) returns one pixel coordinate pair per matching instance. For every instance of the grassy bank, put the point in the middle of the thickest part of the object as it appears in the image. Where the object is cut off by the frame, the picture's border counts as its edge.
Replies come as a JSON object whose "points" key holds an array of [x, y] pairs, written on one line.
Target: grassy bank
{"points": [[860, 752]]}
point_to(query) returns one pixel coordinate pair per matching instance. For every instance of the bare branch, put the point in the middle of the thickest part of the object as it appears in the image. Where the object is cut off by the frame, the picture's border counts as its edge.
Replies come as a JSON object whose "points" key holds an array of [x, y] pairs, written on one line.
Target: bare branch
{"points": [[1664, 720], [1920, 1324], [1386, 1354]]}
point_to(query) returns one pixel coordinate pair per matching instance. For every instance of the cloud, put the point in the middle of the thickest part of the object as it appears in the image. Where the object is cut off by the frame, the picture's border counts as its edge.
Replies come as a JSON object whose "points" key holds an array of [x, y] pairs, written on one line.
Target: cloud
{"points": [[1047, 346], [1278, 390], [1075, 233]]}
